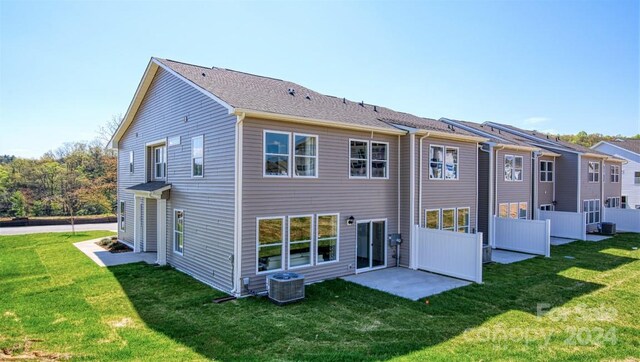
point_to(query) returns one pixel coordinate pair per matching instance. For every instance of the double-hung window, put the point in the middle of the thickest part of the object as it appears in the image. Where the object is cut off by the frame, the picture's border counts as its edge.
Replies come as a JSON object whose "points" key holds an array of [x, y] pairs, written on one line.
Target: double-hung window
{"points": [[270, 243], [613, 202], [327, 238], [123, 214], [448, 219], [197, 156], [159, 162], [513, 168], [358, 159], [451, 219], [131, 162], [463, 220], [636, 178], [546, 171], [379, 159], [443, 163], [592, 209], [276, 153], [432, 219], [594, 172], [305, 155], [615, 173], [178, 231], [300, 234]]}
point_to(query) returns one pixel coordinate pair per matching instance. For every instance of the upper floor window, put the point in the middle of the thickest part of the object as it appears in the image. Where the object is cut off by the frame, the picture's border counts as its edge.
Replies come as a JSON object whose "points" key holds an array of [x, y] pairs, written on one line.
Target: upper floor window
{"points": [[358, 159], [197, 156], [615, 173], [546, 171], [368, 159], [379, 159], [636, 178], [512, 168], [594, 172], [306, 155], [277, 154], [159, 162], [131, 161], [443, 163]]}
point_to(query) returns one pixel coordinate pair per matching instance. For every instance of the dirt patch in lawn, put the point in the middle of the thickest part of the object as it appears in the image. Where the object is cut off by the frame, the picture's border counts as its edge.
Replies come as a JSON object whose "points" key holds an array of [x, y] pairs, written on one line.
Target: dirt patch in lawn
{"points": [[113, 245], [22, 352]]}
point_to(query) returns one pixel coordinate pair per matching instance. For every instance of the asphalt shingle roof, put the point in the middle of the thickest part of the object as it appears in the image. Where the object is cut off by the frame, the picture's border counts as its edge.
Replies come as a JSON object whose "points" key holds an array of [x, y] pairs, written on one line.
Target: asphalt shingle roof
{"points": [[630, 144], [495, 134], [264, 94]]}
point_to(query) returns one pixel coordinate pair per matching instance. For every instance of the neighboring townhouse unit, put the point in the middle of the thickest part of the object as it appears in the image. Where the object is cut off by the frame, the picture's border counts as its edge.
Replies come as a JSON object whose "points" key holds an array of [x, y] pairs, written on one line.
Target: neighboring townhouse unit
{"points": [[510, 183], [230, 177], [629, 174], [580, 178]]}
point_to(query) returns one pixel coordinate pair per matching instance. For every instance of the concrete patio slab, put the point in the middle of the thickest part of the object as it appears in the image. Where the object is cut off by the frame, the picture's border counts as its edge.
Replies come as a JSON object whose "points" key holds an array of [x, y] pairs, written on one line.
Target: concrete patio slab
{"points": [[508, 257], [406, 283], [592, 237], [560, 241], [106, 258]]}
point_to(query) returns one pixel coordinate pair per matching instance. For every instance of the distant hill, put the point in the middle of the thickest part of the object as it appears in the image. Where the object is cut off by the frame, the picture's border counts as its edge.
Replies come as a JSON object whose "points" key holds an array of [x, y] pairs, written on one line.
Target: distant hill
{"points": [[589, 139]]}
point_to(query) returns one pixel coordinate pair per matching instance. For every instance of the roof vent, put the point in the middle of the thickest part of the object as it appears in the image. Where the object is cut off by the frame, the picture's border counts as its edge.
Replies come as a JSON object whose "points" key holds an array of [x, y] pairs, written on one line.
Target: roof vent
{"points": [[492, 129], [344, 100], [308, 97], [499, 132], [361, 104], [557, 138], [204, 75], [291, 91], [375, 108], [547, 136]]}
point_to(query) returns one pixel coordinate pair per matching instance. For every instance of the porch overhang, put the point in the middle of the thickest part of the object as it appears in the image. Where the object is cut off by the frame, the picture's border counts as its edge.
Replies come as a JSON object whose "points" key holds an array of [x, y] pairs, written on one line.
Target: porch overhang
{"points": [[152, 190]]}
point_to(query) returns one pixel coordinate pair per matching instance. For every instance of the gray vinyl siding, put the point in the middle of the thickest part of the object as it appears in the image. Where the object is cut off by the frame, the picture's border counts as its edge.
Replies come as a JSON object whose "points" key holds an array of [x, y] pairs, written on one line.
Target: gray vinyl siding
{"points": [[208, 202], [566, 181], [513, 191], [438, 194], [405, 199], [331, 192], [545, 189], [611, 189], [589, 190], [483, 194], [152, 225]]}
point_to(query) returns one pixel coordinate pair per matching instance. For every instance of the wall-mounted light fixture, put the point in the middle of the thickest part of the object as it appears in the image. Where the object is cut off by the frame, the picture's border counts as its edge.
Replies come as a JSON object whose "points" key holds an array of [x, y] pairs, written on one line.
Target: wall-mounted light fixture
{"points": [[351, 220]]}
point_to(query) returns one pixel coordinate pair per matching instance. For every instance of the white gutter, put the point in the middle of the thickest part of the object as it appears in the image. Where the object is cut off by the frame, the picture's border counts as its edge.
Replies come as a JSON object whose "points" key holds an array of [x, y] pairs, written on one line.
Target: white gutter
{"points": [[237, 240]]}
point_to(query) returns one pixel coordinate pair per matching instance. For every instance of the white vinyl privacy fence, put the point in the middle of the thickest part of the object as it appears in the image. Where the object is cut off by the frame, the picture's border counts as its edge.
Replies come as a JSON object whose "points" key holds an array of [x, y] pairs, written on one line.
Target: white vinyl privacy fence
{"points": [[570, 225], [449, 253], [625, 219], [527, 236]]}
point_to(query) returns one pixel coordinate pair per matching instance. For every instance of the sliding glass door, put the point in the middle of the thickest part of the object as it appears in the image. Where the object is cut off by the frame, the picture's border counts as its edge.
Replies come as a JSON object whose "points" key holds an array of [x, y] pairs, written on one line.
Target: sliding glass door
{"points": [[370, 244]]}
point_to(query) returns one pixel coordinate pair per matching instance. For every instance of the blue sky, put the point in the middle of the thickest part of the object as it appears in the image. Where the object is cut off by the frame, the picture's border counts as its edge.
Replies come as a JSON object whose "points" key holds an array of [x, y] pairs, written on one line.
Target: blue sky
{"points": [[561, 66]]}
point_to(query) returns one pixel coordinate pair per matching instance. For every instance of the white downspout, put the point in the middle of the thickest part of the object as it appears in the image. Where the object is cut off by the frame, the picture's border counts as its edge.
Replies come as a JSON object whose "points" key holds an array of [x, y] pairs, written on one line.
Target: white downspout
{"points": [[399, 204], [491, 194], [420, 182], [237, 240], [495, 197], [536, 175], [412, 199]]}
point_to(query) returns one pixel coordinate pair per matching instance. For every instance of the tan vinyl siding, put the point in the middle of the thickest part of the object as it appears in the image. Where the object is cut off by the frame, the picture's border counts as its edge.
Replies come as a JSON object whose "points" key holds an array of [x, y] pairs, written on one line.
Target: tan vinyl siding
{"points": [[331, 192], [208, 202], [567, 181], [589, 190], [513, 191], [545, 189], [152, 225], [405, 198], [611, 189]]}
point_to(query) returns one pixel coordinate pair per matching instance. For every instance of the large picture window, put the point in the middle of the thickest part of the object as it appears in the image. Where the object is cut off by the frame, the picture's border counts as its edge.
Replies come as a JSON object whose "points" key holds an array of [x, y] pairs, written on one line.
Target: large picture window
{"points": [[358, 159], [513, 210], [379, 159], [306, 155], [594, 172], [443, 163], [592, 209], [123, 215], [178, 231], [513, 168], [300, 235], [546, 171], [276, 153], [197, 156], [270, 243], [327, 238], [615, 173], [452, 219]]}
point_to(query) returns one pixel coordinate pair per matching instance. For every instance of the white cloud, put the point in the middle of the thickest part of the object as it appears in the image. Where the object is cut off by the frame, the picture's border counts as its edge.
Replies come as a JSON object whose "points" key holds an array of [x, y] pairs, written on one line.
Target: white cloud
{"points": [[550, 131], [535, 120]]}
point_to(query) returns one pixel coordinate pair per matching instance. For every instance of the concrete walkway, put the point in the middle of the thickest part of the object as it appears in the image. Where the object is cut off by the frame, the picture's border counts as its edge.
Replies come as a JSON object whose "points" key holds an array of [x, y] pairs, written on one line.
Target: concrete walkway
{"points": [[406, 283], [508, 257], [560, 241], [592, 237], [103, 257], [20, 230]]}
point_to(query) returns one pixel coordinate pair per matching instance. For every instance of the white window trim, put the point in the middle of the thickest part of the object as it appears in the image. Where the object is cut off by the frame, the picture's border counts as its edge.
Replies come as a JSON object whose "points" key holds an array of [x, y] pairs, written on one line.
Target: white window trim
{"points": [[164, 159], [617, 201], [367, 160], [283, 242], [264, 154], [550, 206], [444, 156], [616, 174], [123, 215], [439, 218], [455, 218], [444, 163], [513, 169], [526, 209], [311, 244], [175, 231], [317, 239], [597, 173], [371, 160], [594, 211], [468, 226], [192, 157], [547, 172], [293, 155], [131, 162]]}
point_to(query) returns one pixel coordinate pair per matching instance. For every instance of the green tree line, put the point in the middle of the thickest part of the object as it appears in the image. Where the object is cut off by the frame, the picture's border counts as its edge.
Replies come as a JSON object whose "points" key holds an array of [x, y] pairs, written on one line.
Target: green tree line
{"points": [[589, 139]]}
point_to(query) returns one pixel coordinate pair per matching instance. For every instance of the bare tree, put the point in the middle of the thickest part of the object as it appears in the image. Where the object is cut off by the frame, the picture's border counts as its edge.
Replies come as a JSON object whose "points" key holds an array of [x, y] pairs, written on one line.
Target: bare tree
{"points": [[107, 130]]}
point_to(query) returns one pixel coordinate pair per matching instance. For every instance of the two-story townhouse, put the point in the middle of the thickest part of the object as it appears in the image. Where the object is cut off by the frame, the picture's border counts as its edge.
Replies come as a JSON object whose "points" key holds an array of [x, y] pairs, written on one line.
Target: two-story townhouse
{"points": [[232, 176], [580, 174], [628, 175], [511, 184]]}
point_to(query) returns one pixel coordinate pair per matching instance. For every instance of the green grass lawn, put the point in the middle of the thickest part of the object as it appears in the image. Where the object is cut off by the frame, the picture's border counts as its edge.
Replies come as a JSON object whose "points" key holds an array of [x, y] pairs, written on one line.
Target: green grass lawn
{"points": [[55, 302]]}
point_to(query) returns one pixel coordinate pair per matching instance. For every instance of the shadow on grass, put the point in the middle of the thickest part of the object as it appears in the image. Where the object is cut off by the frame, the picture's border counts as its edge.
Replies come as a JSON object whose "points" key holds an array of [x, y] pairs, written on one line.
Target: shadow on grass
{"points": [[344, 321]]}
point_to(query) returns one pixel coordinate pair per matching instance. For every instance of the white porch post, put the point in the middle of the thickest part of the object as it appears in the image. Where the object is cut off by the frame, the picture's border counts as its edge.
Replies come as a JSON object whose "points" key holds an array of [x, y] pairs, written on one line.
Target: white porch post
{"points": [[136, 224], [162, 232]]}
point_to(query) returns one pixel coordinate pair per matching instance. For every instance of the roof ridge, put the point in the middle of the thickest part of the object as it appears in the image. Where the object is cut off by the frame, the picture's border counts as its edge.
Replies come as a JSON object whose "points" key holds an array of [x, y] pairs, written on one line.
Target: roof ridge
{"points": [[254, 75]]}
